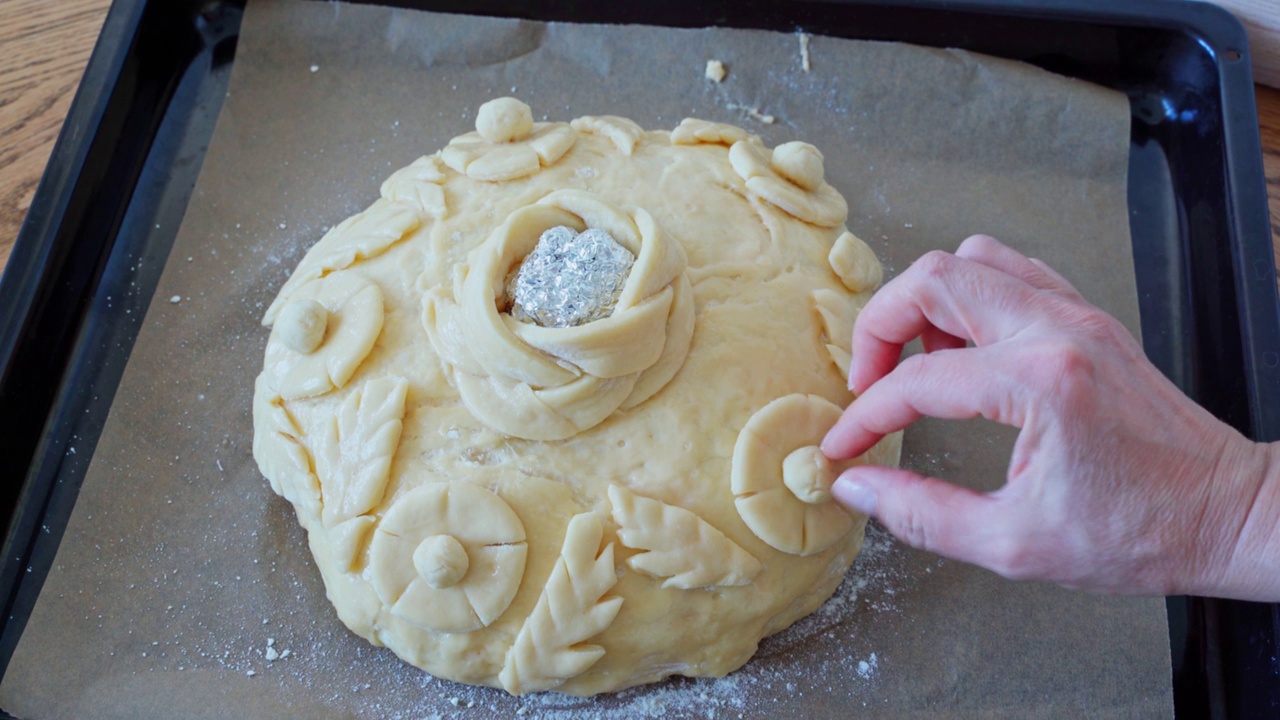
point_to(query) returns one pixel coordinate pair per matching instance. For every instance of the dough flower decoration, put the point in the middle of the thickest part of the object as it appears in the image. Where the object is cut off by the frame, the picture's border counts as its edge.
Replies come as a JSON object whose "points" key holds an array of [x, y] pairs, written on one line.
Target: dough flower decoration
{"points": [[790, 177], [781, 481], [322, 334], [624, 133], [420, 186], [507, 143], [360, 237], [692, 131], [448, 557], [550, 383]]}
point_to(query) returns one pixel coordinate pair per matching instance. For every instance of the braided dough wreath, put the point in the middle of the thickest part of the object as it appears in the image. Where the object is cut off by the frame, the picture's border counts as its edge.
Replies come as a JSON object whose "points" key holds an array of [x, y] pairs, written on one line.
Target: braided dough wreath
{"points": [[527, 507]]}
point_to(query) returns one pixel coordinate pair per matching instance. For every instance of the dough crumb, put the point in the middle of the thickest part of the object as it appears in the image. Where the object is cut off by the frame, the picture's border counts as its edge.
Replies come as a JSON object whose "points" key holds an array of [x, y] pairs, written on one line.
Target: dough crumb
{"points": [[315, 68], [271, 654], [250, 673], [754, 113], [716, 71], [175, 299], [804, 52]]}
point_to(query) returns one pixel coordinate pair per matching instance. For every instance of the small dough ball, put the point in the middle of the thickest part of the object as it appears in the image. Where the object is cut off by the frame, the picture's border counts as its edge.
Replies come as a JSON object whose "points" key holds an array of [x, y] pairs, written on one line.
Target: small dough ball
{"points": [[441, 561], [809, 475], [504, 120], [302, 324], [799, 162]]}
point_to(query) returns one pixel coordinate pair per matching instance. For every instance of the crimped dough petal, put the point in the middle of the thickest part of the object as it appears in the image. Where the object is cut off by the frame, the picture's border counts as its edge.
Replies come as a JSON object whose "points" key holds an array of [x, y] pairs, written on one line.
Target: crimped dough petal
{"points": [[622, 132], [854, 263], [692, 131]]}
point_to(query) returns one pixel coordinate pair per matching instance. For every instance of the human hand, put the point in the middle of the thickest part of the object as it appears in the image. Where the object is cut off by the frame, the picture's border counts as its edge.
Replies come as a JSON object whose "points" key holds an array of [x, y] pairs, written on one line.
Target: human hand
{"points": [[1117, 483]]}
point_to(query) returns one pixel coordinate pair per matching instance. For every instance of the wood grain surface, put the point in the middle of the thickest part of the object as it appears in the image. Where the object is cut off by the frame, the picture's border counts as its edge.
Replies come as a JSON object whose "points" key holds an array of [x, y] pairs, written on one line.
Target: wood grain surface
{"points": [[45, 44]]}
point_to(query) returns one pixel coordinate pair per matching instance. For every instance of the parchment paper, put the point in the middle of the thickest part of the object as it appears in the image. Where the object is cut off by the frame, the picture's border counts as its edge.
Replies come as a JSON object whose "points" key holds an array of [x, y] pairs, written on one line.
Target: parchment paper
{"points": [[180, 567]]}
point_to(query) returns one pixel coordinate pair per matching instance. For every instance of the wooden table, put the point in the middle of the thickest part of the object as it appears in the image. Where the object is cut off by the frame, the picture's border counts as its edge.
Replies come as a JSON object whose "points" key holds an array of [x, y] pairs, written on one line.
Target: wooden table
{"points": [[44, 45]]}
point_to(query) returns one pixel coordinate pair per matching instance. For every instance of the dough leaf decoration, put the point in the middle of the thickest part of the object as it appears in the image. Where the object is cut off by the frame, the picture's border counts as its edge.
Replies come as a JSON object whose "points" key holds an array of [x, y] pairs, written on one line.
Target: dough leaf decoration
{"points": [[678, 545], [781, 482], [448, 557], [279, 452], [419, 186], [348, 310], [790, 177], [549, 649], [348, 538], [692, 131], [622, 132], [353, 454], [855, 263], [507, 143], [548, 383], [836, 315], [360, 237]]}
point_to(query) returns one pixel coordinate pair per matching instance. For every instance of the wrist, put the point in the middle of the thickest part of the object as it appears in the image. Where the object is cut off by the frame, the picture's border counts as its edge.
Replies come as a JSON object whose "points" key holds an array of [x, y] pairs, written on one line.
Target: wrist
{"points": [[1239, 528]]}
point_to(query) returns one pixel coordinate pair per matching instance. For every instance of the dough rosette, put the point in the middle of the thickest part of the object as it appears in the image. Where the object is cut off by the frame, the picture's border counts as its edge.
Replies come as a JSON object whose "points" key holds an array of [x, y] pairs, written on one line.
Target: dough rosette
{"points": [[543, 383]]}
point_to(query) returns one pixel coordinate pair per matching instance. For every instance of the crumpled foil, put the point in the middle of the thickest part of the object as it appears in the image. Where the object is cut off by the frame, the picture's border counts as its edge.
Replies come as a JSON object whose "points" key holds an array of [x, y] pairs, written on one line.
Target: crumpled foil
{"points": [[570, 278]]}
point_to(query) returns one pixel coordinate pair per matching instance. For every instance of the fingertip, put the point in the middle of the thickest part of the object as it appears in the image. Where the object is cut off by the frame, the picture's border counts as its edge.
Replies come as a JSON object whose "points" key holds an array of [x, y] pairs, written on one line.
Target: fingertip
{"points": [[853, 491]]}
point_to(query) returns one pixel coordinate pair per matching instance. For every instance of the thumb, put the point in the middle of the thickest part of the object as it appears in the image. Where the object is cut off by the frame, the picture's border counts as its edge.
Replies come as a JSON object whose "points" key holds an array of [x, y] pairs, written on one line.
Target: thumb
{"points": [[923, 512]]}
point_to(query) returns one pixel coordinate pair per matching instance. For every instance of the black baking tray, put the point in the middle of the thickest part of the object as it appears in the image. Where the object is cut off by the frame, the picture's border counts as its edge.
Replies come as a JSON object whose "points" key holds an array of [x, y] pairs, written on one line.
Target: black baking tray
{"points": [[105, 215]]}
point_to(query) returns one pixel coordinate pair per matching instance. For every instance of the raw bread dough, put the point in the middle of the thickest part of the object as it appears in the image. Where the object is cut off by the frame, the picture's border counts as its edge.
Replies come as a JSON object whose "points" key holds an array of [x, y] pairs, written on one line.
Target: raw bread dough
{"points": [[577, 509]]}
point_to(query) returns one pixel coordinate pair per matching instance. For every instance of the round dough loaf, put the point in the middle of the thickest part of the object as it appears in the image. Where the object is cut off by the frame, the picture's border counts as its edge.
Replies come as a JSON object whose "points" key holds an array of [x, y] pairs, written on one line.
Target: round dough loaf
{"points": [[571, 509]]}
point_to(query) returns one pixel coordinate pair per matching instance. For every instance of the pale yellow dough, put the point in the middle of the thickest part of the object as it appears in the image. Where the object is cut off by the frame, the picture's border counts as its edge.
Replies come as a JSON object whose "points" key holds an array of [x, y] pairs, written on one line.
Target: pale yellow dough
{"points": [[577, 509]]}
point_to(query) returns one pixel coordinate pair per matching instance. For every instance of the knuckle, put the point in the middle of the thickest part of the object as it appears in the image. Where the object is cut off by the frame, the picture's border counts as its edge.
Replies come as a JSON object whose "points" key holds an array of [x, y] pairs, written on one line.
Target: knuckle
{"points": [[915, 529], [935, 264], [1011, 558], [1063, 367]]}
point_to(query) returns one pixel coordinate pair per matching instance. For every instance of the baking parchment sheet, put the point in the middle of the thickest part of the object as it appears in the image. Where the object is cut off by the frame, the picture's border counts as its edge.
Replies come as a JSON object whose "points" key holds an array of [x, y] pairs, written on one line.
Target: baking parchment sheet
{"points": [[180, 568]]}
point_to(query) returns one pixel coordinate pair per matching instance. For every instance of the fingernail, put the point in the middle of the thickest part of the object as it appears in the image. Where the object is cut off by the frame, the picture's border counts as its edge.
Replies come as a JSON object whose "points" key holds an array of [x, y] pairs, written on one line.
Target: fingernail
{"points": [[852, 493]]}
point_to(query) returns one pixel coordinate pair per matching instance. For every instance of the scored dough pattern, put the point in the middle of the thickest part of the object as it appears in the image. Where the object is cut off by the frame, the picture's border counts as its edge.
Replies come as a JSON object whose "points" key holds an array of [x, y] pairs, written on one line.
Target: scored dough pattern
{"points": [[549, 650], [678, 546], [490, 535], [552, 383]]}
